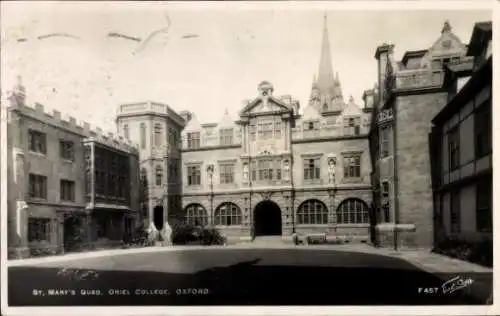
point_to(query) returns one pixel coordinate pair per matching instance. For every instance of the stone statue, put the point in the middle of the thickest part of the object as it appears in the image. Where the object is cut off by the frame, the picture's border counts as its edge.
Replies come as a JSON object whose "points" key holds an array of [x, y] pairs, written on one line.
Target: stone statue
{"points": [[152, 233], [286, 170], [245, 171], [332, 162], [167, 233]]}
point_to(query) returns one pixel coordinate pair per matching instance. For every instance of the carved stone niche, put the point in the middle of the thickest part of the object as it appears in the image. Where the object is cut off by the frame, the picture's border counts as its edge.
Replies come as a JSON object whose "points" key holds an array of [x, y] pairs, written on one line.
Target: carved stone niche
{"points": [[332, 164]]}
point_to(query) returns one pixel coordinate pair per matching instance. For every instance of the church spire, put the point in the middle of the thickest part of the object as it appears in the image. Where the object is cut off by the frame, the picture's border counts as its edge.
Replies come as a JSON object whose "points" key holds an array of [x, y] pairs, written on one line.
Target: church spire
{"points": [[325, 80]]}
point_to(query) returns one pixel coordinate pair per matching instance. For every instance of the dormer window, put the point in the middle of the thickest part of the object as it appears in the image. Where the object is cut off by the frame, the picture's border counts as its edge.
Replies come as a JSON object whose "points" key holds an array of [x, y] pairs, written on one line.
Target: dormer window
{"points": [[193, 140], [226, 136], [352, 126]]}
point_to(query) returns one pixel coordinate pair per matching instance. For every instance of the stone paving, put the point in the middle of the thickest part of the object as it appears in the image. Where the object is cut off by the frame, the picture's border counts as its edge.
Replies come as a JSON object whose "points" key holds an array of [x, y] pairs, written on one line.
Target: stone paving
{"points": [[425, 259]]}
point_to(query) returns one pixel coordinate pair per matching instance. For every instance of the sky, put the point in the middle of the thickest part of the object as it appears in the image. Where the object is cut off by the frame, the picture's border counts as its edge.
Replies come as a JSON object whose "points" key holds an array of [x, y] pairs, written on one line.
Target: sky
{"points": [[234, 51]]}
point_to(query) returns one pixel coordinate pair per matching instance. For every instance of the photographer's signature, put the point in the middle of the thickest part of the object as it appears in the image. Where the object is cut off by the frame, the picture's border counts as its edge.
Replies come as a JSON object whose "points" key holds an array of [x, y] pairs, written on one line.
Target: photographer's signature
{"points": [[448, 287], [455, 284]]}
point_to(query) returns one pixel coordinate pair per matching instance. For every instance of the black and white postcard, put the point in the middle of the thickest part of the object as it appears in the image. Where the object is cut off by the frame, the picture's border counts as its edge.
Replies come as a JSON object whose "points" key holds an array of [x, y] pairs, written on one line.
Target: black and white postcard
{"points": [[247, 157]]}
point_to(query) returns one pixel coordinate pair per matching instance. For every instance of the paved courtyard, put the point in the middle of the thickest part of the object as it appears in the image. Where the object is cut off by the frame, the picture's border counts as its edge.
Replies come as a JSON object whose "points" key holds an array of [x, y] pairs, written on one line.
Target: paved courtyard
{"points": [[232, 276]]}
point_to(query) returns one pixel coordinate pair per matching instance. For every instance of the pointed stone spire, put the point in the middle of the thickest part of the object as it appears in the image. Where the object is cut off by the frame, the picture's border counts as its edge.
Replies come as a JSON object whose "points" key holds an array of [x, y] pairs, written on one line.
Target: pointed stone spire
{"points": [[325, 81]]}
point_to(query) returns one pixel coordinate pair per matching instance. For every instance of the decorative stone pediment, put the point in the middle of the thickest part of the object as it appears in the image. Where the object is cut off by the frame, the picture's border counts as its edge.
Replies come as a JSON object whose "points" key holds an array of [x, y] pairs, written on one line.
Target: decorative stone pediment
{"points": [[262, 105]]}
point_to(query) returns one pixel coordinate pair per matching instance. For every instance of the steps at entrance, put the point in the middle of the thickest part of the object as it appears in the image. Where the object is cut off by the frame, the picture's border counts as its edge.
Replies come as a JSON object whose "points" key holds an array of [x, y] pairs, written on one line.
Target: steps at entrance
{"points": [[268, 240]]}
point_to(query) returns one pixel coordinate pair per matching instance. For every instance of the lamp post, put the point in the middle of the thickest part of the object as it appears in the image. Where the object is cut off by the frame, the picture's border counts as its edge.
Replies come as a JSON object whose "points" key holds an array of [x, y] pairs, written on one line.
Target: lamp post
{"points": [[210, 173]]}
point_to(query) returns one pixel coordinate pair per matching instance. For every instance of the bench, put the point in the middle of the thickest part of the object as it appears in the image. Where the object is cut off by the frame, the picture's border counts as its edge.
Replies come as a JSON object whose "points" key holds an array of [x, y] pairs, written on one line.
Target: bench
{"points": [[318, 238]]}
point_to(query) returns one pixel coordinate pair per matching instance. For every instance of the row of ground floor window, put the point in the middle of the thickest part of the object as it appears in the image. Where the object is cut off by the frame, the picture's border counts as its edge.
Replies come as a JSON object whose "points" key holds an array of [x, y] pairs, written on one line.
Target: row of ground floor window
{"points": [[310, 212], [70, 231]]}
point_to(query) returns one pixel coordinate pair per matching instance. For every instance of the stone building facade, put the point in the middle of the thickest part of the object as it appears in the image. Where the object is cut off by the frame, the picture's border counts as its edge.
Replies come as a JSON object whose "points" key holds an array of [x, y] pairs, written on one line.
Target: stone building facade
{"points": [[461, 151], [408, 96], [156, 129], [276, 170], [47, 204]]}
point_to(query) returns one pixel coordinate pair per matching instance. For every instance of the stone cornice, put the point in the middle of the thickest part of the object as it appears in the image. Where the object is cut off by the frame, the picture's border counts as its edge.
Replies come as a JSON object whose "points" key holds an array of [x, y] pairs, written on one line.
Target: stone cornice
{"points": [[330, 138], [258, 190], [207, 148]]}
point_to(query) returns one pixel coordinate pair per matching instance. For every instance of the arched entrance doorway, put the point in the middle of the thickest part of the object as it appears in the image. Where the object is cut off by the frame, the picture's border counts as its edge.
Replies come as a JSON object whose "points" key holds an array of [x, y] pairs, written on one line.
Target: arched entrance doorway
{"points": [[267, 219], [158, 217]]}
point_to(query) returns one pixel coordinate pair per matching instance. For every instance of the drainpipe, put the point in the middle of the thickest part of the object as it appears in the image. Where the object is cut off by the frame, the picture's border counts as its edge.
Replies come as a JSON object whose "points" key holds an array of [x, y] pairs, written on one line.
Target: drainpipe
{"points": [[395, 174]]}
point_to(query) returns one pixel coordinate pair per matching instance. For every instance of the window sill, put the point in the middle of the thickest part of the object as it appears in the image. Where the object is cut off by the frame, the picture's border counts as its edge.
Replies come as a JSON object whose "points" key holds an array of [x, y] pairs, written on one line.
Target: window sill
{"points": [[352, 180], [67, 161], [68, 202], [312, 182], [37, 199], [36, 153], [194, 187], [353, 225]]}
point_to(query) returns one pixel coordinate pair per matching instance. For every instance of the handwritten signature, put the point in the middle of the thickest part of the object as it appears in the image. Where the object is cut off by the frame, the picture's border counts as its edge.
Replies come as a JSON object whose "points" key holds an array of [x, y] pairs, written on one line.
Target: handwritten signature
{"points": [[455, 284]]}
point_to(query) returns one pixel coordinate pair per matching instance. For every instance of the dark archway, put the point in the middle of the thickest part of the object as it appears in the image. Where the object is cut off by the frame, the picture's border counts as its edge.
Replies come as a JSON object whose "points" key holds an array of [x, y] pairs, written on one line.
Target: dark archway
{"points": [[267, 219], [158, 217]]}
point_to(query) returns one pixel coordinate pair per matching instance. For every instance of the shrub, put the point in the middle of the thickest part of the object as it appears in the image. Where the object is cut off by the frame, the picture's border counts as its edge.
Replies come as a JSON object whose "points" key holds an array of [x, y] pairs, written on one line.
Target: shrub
{"points": [[139, 237], [183, 234], [479, 251], [212, 236]]}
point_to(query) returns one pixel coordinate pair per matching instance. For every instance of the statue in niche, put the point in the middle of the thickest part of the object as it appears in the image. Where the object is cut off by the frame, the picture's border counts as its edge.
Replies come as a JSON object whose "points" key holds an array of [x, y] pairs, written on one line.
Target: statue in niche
{"points": [[245, 171], [332, 162], [286, 170]]}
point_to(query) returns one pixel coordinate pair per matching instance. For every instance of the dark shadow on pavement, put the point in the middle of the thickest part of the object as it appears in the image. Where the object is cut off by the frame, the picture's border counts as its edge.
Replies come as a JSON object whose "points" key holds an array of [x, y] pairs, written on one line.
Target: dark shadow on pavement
{"points": [[245, 283]]}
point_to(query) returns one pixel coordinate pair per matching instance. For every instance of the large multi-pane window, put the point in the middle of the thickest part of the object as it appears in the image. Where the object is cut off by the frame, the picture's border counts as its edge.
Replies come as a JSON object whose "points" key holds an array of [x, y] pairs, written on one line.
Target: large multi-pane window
{"points": [[226, 136], [143, 135], [67, 150], [482, 130], [312, 169], [455, 226], [352, 211], [194, 175], [352, 126], [37, 186], [266, 169], [196, 215], [384, 142], [226, 173], [227, 214], [193, 140], [37, 141], [38, 229], [454, 148], [158, 134], [265, 130], [67, 190], [312, 212], [352, 166], [277, 128], [484, 202]]}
